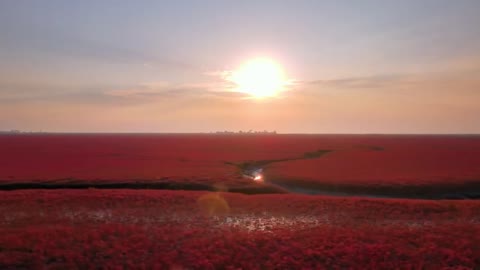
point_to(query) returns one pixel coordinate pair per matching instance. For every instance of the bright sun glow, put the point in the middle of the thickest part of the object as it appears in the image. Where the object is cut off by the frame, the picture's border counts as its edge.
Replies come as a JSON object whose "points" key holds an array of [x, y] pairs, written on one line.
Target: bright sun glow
{"points": [[260, 78]]}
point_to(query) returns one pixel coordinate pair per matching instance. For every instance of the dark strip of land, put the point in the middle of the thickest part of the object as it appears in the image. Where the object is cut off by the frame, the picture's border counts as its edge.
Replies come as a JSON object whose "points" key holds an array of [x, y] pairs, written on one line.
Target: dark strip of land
{"points": [[272, 186]]}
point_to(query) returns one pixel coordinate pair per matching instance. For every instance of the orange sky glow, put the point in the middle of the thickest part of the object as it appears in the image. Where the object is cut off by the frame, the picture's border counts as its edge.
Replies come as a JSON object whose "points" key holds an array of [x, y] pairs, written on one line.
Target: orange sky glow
{"points": [[294, 68]]}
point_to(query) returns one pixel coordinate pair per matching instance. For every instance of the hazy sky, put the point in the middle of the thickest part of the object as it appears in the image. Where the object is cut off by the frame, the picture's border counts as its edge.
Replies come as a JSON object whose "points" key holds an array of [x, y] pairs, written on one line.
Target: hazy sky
{"points": [[155, 66]]}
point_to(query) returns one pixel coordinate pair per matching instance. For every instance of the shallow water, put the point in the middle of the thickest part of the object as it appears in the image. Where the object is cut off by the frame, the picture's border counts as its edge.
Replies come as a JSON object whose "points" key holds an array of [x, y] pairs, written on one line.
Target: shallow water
{"points": [[473, 195]]}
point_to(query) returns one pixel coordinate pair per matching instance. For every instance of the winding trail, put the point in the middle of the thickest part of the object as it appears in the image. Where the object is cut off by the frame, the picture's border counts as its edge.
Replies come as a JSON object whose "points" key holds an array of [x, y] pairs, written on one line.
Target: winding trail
{"points": [[271, 185], [451, 192]]}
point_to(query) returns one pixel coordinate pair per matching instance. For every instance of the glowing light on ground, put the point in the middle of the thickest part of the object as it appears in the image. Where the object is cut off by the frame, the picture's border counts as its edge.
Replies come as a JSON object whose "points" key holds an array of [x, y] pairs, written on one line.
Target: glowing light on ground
{"points": [[258, 178]]}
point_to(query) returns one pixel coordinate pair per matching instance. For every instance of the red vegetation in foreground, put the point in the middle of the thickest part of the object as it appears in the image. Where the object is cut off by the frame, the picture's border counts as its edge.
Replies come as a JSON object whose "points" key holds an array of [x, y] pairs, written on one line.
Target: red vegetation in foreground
{"points": [[355, 159], [114, 229]]}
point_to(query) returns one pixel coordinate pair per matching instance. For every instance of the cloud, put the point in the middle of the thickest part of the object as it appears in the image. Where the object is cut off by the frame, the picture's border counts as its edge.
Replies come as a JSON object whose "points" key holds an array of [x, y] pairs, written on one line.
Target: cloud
{"points": [[37, 39], [112, 95], [371, 82], [30, 91], [162, 90], [422, 82]]}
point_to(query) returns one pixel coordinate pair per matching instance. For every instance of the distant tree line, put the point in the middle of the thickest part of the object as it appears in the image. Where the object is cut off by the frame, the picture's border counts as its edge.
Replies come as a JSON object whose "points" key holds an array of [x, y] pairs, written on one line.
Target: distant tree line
{"points": [[16, 131], [246, 132], [13, 131]]}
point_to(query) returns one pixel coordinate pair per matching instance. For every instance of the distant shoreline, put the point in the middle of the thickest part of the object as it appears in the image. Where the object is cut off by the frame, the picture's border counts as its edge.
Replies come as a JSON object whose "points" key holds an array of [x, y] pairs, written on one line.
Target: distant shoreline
{"points": [[236, 134]]}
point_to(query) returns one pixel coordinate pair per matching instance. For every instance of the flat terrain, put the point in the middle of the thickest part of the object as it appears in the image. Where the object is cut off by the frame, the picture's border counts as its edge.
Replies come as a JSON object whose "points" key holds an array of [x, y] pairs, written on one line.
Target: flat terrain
{"points": [[143, 229], [376, 165], [175, 202]]}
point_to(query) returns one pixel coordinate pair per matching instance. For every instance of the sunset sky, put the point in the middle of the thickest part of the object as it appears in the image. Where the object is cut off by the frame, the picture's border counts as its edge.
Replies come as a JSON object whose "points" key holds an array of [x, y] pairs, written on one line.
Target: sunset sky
{"points": [[166, 66]]}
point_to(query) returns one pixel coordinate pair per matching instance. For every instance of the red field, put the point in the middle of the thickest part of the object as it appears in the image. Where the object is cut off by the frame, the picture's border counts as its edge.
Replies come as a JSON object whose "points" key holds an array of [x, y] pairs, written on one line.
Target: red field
{"points": [[355, 162], [406, 160], [354, 158], [166, 229], [185, 230]]}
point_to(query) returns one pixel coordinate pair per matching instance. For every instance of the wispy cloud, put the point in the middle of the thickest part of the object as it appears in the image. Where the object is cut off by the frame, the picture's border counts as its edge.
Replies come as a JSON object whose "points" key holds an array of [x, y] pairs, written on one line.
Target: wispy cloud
{"points": [[64, 44], [371, 82], [449, 80], [140, 93], [169, 90]]}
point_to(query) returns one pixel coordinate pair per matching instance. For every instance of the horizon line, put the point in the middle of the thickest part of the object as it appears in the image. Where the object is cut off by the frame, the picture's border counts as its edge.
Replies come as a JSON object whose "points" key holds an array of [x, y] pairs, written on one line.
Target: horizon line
{"points": [[231, 134]]}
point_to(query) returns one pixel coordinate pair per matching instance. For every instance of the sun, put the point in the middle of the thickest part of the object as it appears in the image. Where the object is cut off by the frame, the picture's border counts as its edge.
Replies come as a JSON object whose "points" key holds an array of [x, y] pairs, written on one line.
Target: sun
{"points": [[260, 78]]}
